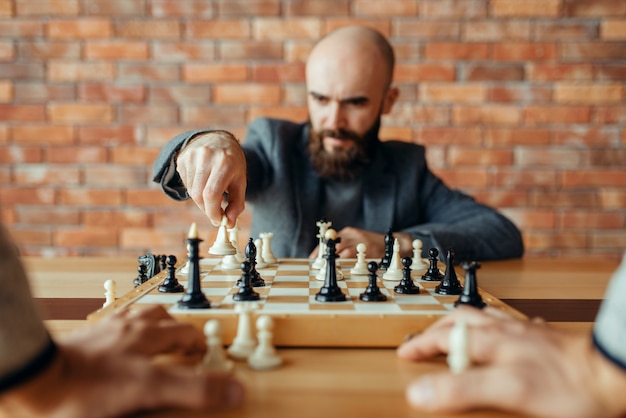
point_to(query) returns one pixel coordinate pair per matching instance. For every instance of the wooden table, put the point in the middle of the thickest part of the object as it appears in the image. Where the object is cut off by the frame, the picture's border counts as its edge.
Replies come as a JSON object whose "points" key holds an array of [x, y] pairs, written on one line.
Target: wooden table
{"points": [[336, 382]]}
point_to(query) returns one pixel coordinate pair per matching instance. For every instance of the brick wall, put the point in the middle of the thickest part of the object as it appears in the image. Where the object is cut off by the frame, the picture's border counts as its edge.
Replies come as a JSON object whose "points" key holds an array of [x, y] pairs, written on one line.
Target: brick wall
{"points": [[520, 102]]}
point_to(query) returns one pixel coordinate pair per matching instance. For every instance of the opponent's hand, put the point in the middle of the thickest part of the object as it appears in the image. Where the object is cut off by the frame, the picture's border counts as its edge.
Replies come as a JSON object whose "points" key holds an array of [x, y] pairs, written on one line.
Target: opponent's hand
{"points": [[210, 166], [521, 366], [351, 237], [108, 369]]}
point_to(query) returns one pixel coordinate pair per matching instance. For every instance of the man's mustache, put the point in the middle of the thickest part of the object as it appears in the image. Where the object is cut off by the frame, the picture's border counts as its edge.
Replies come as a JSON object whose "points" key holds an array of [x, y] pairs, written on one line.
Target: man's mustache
{"points": [[342, 134]]}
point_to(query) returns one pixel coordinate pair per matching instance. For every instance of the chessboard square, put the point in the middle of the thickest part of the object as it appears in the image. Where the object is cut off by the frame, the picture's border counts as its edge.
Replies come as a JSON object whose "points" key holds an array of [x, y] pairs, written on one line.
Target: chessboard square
{"points": [[419, 299], [424, 309], [214, 277], [291, 272], [377, 307], [290, 283], [217, 284], [217, 291], [428, 285], [299, 264], [446, 299], [160, 298], [268, 272], [285, 299], [357, 281], [285, 307], [289, 291], [332, 306]]}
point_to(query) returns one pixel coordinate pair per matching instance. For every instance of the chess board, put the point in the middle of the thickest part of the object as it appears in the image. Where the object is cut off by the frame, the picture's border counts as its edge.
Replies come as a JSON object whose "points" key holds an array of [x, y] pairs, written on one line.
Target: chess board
{"points": [[299, 320]]}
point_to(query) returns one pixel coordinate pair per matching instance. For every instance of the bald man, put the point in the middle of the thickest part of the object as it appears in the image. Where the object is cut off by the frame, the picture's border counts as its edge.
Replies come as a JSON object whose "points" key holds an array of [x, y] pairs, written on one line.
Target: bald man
{"points": [[334, 166]]}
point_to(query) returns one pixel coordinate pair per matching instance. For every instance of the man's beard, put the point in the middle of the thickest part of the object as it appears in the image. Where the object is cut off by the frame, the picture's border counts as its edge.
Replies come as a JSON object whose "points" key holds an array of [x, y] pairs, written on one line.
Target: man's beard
{"points": [[342, 164]]}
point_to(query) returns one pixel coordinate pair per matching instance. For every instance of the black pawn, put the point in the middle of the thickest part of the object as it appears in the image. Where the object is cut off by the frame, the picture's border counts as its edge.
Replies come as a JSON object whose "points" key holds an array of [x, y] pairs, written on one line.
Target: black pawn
{"points": [[246, 291], [255, 277], [163, 261], [433, 274], [386, 260], [450, 285], [372, 291], [330, 292], [170, 284], [406, 285], [194, 298], [142, 277], [470, 295]]}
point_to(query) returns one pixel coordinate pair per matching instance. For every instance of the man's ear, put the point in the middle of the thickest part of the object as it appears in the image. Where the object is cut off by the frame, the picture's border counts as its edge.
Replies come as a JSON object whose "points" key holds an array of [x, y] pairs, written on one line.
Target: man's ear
{"points": [[390, 98]]}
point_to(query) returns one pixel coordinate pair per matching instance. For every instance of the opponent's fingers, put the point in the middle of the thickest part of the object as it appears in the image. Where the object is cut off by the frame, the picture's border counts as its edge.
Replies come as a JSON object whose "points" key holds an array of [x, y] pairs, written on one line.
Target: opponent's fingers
{"points": [[236, 202], [485, 387], [142, 313], [472, 316], [168, 336]]}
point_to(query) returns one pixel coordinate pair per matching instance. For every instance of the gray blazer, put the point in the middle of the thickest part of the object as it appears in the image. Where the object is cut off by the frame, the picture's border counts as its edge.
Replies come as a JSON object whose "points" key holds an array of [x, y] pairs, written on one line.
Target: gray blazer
{"points": [[400, 193]]}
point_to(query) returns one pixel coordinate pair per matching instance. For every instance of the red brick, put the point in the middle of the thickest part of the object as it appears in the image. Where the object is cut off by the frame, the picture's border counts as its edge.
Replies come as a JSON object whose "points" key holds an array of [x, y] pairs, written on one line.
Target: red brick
{"points": [[609, 115], [4, 134], [44, 135], [108, 135], [606, 157], [407, 93], [584, 137], [393, 133], [292, 113], [524, 51], [611, 240], [115, 8], [516, 136], [150, 29], [498, 31], [86, 28], [147, 72], [27, 196], [562, 199], [559, 71], [596, 8], [294, 94], [154, 114], [267, 29], [484, 72], [160, 135], [452, 92], [247, 93], [525, 8], [90, 197], [520, 179], [203, 116], [80, 113], [7, 216], [140, 238], [116, 50], [184, 8], [153, 198], [463, 156], [448, 136], [13, 154], [114, 176], [316, 7], [47, 8], [415, 29], [78, 155], [613, 30], [6, 8], [525, 93], [612, 198], [587, 220], [250, 7], [48, 215], [250, 50], [383, 26], [502, 198], [568, 93], [23, 113], [31, 236], [593, 178], [542, 115], [180, 94], [278, 72], [493, 115], [43, 50], [431, 114], [35, 92], [6, 91], [183, 51], [125, 218], [610, 72], [218, 29], [563, 30], [591, 50], [384, 8], [550, 157], [139, 156], [532, 218], [112, 93], [549, 241], [464, 177], [464, 9], [22, 29], [456, 51], [80, 71], [209, 73], [42, 174], [7, 51], [86, 236], [22, 71], [405, 72]]}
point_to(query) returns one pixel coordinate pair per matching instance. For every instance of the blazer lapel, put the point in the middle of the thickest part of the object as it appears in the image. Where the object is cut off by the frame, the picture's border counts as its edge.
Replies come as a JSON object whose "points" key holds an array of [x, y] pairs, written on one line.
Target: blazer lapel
{"points": [[379, 199]]}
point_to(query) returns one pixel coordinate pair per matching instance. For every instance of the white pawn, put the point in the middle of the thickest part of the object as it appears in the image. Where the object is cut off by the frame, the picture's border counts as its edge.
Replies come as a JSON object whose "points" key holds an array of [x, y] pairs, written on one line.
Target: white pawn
{"points": [[458, 351], [268, 254], [321, 247], [260, 260], [264, 356], [233, 236], [222, 246], [230, 262], [215, 358], [321, 274], [360, 268], [109, 294], [394, 271], [244, 343], [418, 261]]}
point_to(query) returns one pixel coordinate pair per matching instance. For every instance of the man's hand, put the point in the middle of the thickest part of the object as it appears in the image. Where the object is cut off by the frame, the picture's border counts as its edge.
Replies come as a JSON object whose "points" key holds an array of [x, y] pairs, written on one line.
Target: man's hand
{"points": [[108, 369], [211, 166], [351, 237], [521, 366]]}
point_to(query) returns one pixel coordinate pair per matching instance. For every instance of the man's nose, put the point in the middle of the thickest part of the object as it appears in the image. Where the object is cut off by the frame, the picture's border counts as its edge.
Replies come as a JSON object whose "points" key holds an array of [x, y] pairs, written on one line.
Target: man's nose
{"points": [[335, 117]]}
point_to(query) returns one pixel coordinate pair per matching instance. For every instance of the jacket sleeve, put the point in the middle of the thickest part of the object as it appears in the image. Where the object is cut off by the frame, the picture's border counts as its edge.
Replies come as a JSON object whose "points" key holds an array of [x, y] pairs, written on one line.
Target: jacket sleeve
{"points": [[164, 168], [609, 332], [25, 345]]}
